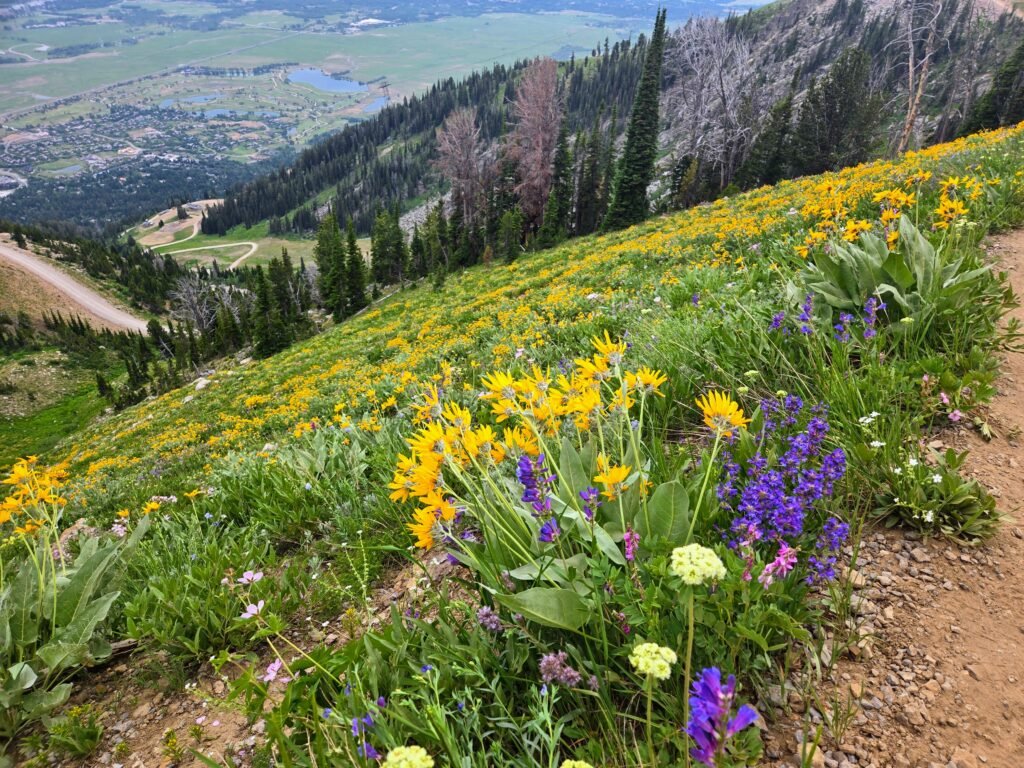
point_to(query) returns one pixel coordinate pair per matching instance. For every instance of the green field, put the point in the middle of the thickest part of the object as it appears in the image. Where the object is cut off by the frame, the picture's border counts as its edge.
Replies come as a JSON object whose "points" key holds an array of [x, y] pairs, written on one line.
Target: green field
{"points": [[410, 56]]}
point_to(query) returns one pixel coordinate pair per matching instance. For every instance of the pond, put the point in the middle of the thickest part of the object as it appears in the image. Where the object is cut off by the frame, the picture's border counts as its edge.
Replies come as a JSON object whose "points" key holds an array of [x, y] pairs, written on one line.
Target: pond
{"points": [[377, 104], [325, 82]]}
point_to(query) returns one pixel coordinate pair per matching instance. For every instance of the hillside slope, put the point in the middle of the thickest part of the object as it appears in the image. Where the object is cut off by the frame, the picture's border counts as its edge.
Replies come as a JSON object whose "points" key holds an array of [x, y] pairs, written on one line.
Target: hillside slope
{"points": [[533, 310]]}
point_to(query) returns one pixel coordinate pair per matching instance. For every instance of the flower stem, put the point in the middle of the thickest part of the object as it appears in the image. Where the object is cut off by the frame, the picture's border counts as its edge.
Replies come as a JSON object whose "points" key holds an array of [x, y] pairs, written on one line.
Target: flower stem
{"points": [[686, 668], [650, 738]]}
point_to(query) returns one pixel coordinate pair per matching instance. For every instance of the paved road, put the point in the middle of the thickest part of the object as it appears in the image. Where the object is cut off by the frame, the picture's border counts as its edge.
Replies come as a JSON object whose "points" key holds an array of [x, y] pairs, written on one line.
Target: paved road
{"points": [[76, 294]]}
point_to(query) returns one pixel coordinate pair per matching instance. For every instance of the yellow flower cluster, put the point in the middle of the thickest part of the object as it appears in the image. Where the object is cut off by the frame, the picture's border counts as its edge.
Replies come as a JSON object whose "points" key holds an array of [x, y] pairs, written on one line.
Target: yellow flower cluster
{"points": [[696, 565], [529, 408], [653, 660], [32, 489]]}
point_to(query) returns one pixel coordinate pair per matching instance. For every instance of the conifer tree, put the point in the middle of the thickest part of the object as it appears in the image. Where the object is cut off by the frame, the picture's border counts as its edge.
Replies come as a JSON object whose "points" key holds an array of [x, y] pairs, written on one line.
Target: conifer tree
{"points": [[555, 227], [1003, 103], [329, 252], [835, 127], [355, 267], [767, 161], [635, 170]]}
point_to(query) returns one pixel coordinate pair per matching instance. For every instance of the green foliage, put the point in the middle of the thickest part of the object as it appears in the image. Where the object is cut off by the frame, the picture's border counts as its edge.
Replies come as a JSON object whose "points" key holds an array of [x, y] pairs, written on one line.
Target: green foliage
{"points": [[918, 282], [191, 590], [1003, 103], [837, 119], [50, 613], [77, 733], [929, 494]]}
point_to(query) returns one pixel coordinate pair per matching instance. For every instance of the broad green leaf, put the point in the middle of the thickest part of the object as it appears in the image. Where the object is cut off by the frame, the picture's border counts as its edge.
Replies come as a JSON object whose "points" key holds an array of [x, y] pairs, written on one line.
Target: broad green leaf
{"points": [[549, 606], [574, 476], [668, 513]]}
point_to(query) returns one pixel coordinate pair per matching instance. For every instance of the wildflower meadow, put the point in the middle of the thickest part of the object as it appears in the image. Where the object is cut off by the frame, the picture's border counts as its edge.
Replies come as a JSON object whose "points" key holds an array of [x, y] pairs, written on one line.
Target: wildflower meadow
{"points": [[645, 461]]}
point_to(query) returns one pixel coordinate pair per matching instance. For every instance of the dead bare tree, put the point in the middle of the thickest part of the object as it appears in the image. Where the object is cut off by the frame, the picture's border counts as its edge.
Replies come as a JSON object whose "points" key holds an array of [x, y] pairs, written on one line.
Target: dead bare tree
{"points": [[920, 37], [716, 98], [193, 302], [458, 144], [537, 113]]}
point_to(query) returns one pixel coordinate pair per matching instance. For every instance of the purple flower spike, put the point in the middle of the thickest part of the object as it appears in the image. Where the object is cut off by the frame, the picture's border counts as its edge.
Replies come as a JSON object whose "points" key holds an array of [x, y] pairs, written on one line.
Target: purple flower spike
{"points": [[710, 726]]}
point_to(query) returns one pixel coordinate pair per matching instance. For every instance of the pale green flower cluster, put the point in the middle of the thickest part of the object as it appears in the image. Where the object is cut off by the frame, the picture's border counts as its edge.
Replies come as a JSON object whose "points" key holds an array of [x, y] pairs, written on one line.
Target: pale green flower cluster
{"points": [[575, 764], [409, 757], [695, 564], [653, 659]]}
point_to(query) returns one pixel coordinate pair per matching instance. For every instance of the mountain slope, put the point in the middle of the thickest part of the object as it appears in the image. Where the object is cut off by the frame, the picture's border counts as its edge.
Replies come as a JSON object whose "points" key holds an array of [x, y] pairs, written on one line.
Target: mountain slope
{"points": [[536, 309]]}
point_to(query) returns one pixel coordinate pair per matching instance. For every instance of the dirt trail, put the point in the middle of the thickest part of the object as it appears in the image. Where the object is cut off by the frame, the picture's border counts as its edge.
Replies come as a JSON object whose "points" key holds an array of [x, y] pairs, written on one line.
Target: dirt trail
{"points": [[976, 629], [76, 297]]}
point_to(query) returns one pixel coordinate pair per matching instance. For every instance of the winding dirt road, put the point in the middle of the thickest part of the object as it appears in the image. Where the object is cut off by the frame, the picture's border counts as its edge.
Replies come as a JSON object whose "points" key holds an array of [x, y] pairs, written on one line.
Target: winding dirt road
{"points": [[78, 298]]}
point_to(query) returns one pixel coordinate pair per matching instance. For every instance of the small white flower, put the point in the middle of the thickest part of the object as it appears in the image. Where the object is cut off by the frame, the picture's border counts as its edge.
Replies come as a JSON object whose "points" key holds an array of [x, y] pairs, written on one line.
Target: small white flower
{"points": [[874, 414], [929, 516], [912, 462], [897, 470], [877, 444], [936, 479]]}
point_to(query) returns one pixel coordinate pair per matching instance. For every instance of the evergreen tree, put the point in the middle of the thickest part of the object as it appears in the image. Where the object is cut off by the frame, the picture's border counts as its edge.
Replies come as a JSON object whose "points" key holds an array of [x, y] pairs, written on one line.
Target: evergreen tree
{"points": [[329, 252], [355, 269], [510, 233], [635, 171], [269, 333], [767, 161], [1003, 103], [555, 227], [837, 120]]}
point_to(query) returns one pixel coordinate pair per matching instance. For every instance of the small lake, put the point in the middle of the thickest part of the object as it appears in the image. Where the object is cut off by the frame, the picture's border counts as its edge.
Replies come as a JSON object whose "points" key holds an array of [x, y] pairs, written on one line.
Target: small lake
{"points": [[324, 82], [377, 104]]}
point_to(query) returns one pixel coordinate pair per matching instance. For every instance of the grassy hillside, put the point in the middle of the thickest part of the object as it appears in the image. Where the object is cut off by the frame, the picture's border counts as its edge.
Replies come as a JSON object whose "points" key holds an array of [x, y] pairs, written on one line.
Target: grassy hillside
{"points": [[542, 308], [536, 422]]}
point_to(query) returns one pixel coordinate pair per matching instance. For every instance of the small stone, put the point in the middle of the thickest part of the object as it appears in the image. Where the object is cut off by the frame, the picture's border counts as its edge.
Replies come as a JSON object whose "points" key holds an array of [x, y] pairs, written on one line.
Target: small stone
{"points": [[202, 383], [963, 759], [142, 710], [218, 687], [920, 555], [973, 672]]}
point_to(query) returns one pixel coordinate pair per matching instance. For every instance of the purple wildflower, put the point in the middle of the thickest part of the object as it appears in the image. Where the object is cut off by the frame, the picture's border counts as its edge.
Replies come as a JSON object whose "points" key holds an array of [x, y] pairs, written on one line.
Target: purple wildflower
{"points": [[250, 577], [555, 668], [842, 328], [591, 501], [710, 726], [488, 619], [805, 315], [777, 321], [252, 610], [549, 531], [871, 309], [272, 671], [536, 482], [366, 750], [632, 540]]}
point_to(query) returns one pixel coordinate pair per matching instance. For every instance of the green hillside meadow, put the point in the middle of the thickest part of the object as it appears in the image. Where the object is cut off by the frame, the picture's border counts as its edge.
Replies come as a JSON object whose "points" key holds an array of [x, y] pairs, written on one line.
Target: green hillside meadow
{"points": [[646, 458]]}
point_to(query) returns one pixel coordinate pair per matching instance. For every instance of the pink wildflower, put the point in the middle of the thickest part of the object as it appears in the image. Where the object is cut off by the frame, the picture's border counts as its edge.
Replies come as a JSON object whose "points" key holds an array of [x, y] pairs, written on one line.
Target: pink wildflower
{"points": [[780, 566]]}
